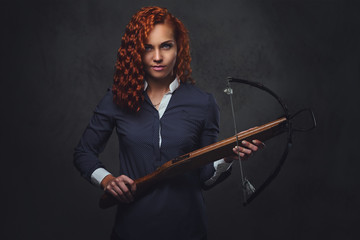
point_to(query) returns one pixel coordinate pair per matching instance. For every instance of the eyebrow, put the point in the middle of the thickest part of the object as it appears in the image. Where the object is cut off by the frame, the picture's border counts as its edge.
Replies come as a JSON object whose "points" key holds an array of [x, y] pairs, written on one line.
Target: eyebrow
{"points": [[168, 41]]}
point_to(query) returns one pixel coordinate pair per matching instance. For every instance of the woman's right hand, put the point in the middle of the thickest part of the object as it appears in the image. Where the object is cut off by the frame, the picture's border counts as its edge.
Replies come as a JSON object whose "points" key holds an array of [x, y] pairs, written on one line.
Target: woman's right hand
{"points": [[122, 188]]}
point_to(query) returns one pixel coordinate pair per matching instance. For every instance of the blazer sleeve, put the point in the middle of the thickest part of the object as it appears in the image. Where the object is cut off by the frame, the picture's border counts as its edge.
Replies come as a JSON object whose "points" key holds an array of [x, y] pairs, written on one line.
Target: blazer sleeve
{"points": [[209, 135], [94, 138]]}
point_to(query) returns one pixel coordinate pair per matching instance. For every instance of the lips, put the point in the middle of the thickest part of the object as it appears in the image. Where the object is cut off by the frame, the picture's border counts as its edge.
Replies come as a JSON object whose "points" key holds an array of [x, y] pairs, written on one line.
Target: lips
{"points": [[158, 67]]}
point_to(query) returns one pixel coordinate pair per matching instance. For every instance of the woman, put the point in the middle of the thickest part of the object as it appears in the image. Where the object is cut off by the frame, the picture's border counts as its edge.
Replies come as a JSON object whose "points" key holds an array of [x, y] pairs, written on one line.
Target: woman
{"points": [[158, 114]]}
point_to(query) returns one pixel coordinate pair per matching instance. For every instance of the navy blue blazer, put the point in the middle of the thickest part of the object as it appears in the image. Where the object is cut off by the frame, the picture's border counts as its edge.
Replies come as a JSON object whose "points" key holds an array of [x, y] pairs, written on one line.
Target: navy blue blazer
{"points": [[175, 209]]}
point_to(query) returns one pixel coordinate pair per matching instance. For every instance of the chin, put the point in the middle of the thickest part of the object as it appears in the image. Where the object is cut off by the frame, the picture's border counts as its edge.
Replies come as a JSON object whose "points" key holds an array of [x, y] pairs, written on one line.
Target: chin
{"points": [[160, 76]]}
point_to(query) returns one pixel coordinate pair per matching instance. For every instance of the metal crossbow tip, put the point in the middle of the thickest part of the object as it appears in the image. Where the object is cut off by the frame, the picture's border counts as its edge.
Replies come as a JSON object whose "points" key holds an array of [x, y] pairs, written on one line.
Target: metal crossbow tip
{"points": [[249, 188], [228, 91]]}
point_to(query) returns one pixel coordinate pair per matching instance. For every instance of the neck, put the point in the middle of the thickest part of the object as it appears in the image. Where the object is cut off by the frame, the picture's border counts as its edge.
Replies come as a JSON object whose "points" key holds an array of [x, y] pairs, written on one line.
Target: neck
{"points": [[157, 89], [159, 86]]}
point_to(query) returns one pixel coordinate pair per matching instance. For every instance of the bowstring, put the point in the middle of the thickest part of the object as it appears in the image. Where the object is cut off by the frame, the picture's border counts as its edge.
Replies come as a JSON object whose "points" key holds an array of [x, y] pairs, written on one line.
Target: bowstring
{"points": [[247, 188]]}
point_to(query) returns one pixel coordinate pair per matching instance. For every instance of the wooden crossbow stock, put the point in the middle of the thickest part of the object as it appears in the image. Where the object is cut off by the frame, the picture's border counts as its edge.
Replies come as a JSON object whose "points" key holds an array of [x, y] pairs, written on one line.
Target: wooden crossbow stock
{"points": [[218, 150]]}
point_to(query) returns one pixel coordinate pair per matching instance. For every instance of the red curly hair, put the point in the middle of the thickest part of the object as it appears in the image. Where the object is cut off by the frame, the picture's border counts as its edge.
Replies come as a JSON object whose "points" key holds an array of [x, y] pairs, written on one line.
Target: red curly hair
{"points": [[129, 73]]}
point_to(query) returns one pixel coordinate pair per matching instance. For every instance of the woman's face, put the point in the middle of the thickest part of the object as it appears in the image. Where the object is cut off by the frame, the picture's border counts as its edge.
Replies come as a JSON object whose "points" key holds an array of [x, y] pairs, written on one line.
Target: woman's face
{"points": [[160, 53]]}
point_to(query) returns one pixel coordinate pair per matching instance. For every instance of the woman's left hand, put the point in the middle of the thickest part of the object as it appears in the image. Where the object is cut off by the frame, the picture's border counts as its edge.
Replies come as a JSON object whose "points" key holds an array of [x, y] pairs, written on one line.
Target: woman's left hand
{"points": [[245, 150]]}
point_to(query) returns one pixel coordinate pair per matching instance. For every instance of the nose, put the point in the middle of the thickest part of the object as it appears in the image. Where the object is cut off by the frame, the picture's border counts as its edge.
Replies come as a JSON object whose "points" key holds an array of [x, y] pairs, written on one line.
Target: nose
{"points": [[157, 56]]}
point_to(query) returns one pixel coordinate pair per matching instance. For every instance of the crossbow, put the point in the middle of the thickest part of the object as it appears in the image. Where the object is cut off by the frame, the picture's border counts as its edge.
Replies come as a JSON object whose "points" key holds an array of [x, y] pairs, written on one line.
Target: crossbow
{"points": [[218, 150]]}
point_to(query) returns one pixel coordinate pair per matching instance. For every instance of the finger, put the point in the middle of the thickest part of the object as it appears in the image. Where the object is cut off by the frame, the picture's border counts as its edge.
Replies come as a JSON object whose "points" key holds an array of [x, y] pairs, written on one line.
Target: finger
{"points": [[114, 190], [253, 147], [239, 151], [127, 186], [249, 145], [120, 192], [236, 150], [115, 194], [131, 183], [245, 149], [259, 143], [126, 192]]}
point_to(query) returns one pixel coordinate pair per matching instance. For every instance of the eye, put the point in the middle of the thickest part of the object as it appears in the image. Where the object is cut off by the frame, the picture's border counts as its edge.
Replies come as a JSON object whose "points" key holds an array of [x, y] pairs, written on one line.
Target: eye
{"points": [[166, 45], [148, 48]]}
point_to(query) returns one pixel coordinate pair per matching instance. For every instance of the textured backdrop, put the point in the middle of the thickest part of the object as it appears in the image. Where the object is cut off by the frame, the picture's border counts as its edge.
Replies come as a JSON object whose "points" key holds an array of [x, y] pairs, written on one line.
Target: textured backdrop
{"points": [[57, 60]]}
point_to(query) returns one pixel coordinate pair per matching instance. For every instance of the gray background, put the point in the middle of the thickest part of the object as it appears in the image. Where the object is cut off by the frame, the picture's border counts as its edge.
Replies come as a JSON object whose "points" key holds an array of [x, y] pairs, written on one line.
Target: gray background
{"points": [[57, 61]]}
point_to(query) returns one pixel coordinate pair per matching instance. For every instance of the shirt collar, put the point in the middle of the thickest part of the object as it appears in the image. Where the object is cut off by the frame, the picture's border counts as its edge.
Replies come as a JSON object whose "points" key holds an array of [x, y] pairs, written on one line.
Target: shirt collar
{"points": [[172, 87]]}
